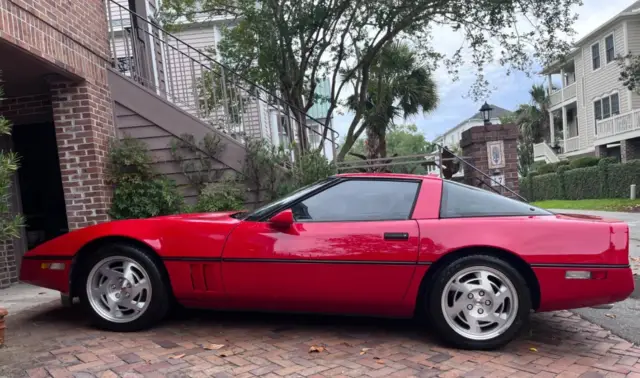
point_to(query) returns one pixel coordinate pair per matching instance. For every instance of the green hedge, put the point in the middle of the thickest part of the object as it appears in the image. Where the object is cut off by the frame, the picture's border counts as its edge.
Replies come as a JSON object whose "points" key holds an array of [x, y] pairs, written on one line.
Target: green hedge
{"points": [[607, 179]]}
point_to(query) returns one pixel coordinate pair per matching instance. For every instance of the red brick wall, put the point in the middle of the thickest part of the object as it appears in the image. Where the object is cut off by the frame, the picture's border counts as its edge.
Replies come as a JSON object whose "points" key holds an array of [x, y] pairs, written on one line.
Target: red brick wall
{"points": [[83, 120], [27, 109], [71, 35], [474, 147]]}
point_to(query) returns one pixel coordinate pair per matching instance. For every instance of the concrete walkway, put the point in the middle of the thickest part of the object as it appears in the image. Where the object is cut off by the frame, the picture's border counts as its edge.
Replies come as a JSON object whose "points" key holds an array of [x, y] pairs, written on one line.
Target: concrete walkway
{"points": [[21, 297]]}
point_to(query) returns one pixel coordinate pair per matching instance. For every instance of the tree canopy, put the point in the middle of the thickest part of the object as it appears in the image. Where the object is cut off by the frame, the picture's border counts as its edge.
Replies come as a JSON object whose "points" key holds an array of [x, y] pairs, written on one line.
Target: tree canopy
{"points": [[289, 46]]}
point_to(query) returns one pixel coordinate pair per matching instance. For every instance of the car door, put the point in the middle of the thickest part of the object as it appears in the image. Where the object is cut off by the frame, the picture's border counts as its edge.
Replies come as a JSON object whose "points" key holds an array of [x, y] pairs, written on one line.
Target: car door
{"points": [[352, 248]]}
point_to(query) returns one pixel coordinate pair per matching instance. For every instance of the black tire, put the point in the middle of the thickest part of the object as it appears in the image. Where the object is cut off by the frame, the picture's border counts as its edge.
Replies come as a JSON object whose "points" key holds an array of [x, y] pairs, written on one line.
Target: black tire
{"points": [[160, 301], [436, 316]]}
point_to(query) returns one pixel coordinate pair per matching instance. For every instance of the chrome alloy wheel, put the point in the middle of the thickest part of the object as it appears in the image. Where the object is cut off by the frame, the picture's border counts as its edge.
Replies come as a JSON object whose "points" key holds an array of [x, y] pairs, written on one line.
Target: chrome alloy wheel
{"points": [[479, 303], [119, 289]]}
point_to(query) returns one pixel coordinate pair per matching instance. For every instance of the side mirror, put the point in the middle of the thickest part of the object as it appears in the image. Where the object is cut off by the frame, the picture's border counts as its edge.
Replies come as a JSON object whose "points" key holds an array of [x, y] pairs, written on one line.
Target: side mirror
{"points": [[283, 219]]}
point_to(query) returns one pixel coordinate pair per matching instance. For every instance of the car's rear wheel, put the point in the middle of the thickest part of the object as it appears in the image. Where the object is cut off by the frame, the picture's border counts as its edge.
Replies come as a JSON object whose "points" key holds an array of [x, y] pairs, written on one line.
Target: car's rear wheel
{"points": [[479, 302], [123, 289]]}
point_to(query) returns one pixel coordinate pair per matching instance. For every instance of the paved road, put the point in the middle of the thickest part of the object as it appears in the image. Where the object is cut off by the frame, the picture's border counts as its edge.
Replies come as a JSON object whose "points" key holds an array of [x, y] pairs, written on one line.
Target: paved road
{"points": [[624, 318]]}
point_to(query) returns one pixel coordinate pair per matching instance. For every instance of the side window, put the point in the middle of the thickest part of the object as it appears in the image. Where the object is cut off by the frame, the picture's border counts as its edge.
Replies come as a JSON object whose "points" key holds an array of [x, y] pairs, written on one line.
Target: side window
{"points": [[359, 200], [615, 104], [595, 56], [462, 201], [610, 49]]}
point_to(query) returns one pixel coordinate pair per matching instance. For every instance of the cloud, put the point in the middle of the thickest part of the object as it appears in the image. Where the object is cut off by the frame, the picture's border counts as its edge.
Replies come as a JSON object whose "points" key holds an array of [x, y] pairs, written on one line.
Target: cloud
{"points": [[512, 90]]}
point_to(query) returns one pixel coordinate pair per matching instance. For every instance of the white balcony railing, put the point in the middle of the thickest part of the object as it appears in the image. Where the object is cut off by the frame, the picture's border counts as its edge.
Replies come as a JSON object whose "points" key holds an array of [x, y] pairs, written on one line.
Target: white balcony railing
{"points": [[555, 98], [542, 150], [569, 92], [619, 124], [564, 94], [572, 144]]}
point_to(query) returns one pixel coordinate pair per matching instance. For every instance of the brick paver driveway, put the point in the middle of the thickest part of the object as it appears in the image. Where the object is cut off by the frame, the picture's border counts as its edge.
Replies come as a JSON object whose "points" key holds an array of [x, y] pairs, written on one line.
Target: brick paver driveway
{"points": [[52, 341]]}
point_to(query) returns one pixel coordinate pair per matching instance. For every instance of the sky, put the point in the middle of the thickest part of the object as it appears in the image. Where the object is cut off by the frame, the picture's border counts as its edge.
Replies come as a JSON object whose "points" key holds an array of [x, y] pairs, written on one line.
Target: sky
{"points": [[511, 90]]}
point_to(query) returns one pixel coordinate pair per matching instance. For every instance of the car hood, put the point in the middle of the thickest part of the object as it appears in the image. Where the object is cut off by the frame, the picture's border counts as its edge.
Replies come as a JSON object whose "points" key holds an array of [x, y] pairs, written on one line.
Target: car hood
{"points": [[222, 215]]}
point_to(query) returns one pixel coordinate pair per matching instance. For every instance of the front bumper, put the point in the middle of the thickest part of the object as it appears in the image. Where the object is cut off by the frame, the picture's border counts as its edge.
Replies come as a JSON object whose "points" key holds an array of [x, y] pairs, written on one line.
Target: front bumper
{"points": [[51, 273], [614, 284]]}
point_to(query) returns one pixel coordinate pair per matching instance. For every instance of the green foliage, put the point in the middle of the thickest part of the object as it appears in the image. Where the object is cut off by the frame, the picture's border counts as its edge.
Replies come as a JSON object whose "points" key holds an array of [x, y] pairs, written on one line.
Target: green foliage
{"points": [[551, 167], [128, 160], [265, 168], [581, 183], [133, 199], [312, 167], [606, 179], [629, 71], [289, 46], [533, 124], [224, 195], [137, 191], [198, 160], [401, 87], [402, 140], [10, 223], [583, 162]]}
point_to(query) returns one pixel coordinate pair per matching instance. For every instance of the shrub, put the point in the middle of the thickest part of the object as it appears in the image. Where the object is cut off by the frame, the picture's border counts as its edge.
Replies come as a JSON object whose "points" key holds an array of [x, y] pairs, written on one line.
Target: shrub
{"points": [[137, 191], [10, 223], [551, 167], [582, 183], [604, 180], [583, 162], [225, 195], [547, 186], [620, 177], [133, 199]]}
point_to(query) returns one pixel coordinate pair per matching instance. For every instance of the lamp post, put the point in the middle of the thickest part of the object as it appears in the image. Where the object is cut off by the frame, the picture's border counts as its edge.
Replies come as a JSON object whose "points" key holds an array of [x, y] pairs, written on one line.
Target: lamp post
{"points": [[486, 113]]}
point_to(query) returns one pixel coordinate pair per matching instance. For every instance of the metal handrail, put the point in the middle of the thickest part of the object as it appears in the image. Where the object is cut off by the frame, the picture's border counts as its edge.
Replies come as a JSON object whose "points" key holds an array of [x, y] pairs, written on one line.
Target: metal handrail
{"points": [[202, 86], [482, 173]]}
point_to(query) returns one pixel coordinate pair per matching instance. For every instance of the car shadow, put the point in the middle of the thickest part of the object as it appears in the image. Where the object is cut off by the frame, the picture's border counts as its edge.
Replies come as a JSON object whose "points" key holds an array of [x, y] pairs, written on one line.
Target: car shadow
{"points": [[541, 330]]}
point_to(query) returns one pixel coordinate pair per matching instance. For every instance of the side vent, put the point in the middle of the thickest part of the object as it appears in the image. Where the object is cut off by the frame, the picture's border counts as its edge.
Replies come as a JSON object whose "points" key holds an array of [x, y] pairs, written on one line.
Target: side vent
{"points": [[204, 277]]}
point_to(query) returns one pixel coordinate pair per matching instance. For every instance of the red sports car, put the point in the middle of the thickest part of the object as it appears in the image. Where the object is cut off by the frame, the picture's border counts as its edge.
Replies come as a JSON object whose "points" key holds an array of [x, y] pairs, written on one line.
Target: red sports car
{"points": [[472, 263]]}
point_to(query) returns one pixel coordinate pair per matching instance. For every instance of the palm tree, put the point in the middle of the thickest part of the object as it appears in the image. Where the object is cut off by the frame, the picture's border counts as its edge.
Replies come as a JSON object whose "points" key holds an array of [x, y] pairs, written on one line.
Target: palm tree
{"points": [[533, 123], [399, 87]]}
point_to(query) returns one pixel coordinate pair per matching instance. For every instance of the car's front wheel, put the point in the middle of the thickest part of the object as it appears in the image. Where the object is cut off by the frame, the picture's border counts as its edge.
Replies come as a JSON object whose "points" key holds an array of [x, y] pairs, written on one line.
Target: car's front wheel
{"points": [[123, 289], [479, 302]]}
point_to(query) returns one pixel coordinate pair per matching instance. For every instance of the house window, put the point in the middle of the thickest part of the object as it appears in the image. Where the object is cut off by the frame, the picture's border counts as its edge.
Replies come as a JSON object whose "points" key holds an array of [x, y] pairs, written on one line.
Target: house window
{"points": [[595, 56], [607, 107], [610, 49], [615, 104]]}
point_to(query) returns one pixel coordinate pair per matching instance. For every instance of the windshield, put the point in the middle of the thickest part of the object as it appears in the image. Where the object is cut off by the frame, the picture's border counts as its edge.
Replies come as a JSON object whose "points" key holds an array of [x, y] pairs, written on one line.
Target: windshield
{"points": [[289, 198]]}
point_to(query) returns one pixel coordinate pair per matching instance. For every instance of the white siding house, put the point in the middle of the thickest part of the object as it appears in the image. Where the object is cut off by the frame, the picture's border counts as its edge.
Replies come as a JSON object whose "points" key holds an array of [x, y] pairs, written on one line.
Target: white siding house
{"points": [[593, 110], [451, 138]]}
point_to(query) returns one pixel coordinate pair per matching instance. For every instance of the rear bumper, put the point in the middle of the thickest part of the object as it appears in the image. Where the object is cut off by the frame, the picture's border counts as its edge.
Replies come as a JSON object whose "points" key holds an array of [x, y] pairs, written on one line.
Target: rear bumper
{"points": [[51, 273], [559, 293]]}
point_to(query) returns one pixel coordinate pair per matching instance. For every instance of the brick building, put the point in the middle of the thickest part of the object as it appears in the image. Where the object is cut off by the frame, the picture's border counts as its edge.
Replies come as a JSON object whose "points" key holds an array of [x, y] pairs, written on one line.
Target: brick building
{"points": [[57, 95], [78, 73]]}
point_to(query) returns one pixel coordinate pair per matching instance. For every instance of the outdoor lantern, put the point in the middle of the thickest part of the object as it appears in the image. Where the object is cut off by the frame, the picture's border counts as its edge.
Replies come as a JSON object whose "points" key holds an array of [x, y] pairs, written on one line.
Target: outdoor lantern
{"points": [[486, 113]]}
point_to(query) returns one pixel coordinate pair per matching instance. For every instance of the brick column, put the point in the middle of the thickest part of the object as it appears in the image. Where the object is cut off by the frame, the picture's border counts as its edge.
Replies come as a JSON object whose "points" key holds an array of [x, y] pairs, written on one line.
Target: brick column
{"points": [[84, 124], [629, 149], [474, 147], [601, 151]]}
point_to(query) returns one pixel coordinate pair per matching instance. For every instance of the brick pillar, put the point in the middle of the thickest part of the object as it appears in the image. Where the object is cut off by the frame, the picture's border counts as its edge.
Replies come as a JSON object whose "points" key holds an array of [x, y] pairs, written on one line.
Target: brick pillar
{"points": [[84, 124], [475, 144], [601, 151], [629, 149]]}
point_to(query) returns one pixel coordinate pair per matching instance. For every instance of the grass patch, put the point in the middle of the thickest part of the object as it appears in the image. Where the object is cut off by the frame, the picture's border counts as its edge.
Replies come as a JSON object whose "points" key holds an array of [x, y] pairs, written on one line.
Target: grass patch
{"points": [[610, 204]]}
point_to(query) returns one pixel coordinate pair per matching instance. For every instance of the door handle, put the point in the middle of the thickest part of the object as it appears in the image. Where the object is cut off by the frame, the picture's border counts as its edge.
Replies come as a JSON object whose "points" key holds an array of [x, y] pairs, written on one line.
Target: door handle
{"points": [[396, 236]]}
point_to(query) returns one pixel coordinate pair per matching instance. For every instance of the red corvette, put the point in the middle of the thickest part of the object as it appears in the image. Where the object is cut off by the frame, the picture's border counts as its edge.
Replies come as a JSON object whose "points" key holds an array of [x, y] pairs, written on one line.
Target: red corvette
{"points": [[473, 263]]}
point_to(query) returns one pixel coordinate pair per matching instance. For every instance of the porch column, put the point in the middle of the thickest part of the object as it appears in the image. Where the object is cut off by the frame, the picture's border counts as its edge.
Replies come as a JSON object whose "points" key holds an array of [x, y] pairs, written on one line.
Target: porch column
{"points": [[564, 127], [84, 124], [552, 130]]}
